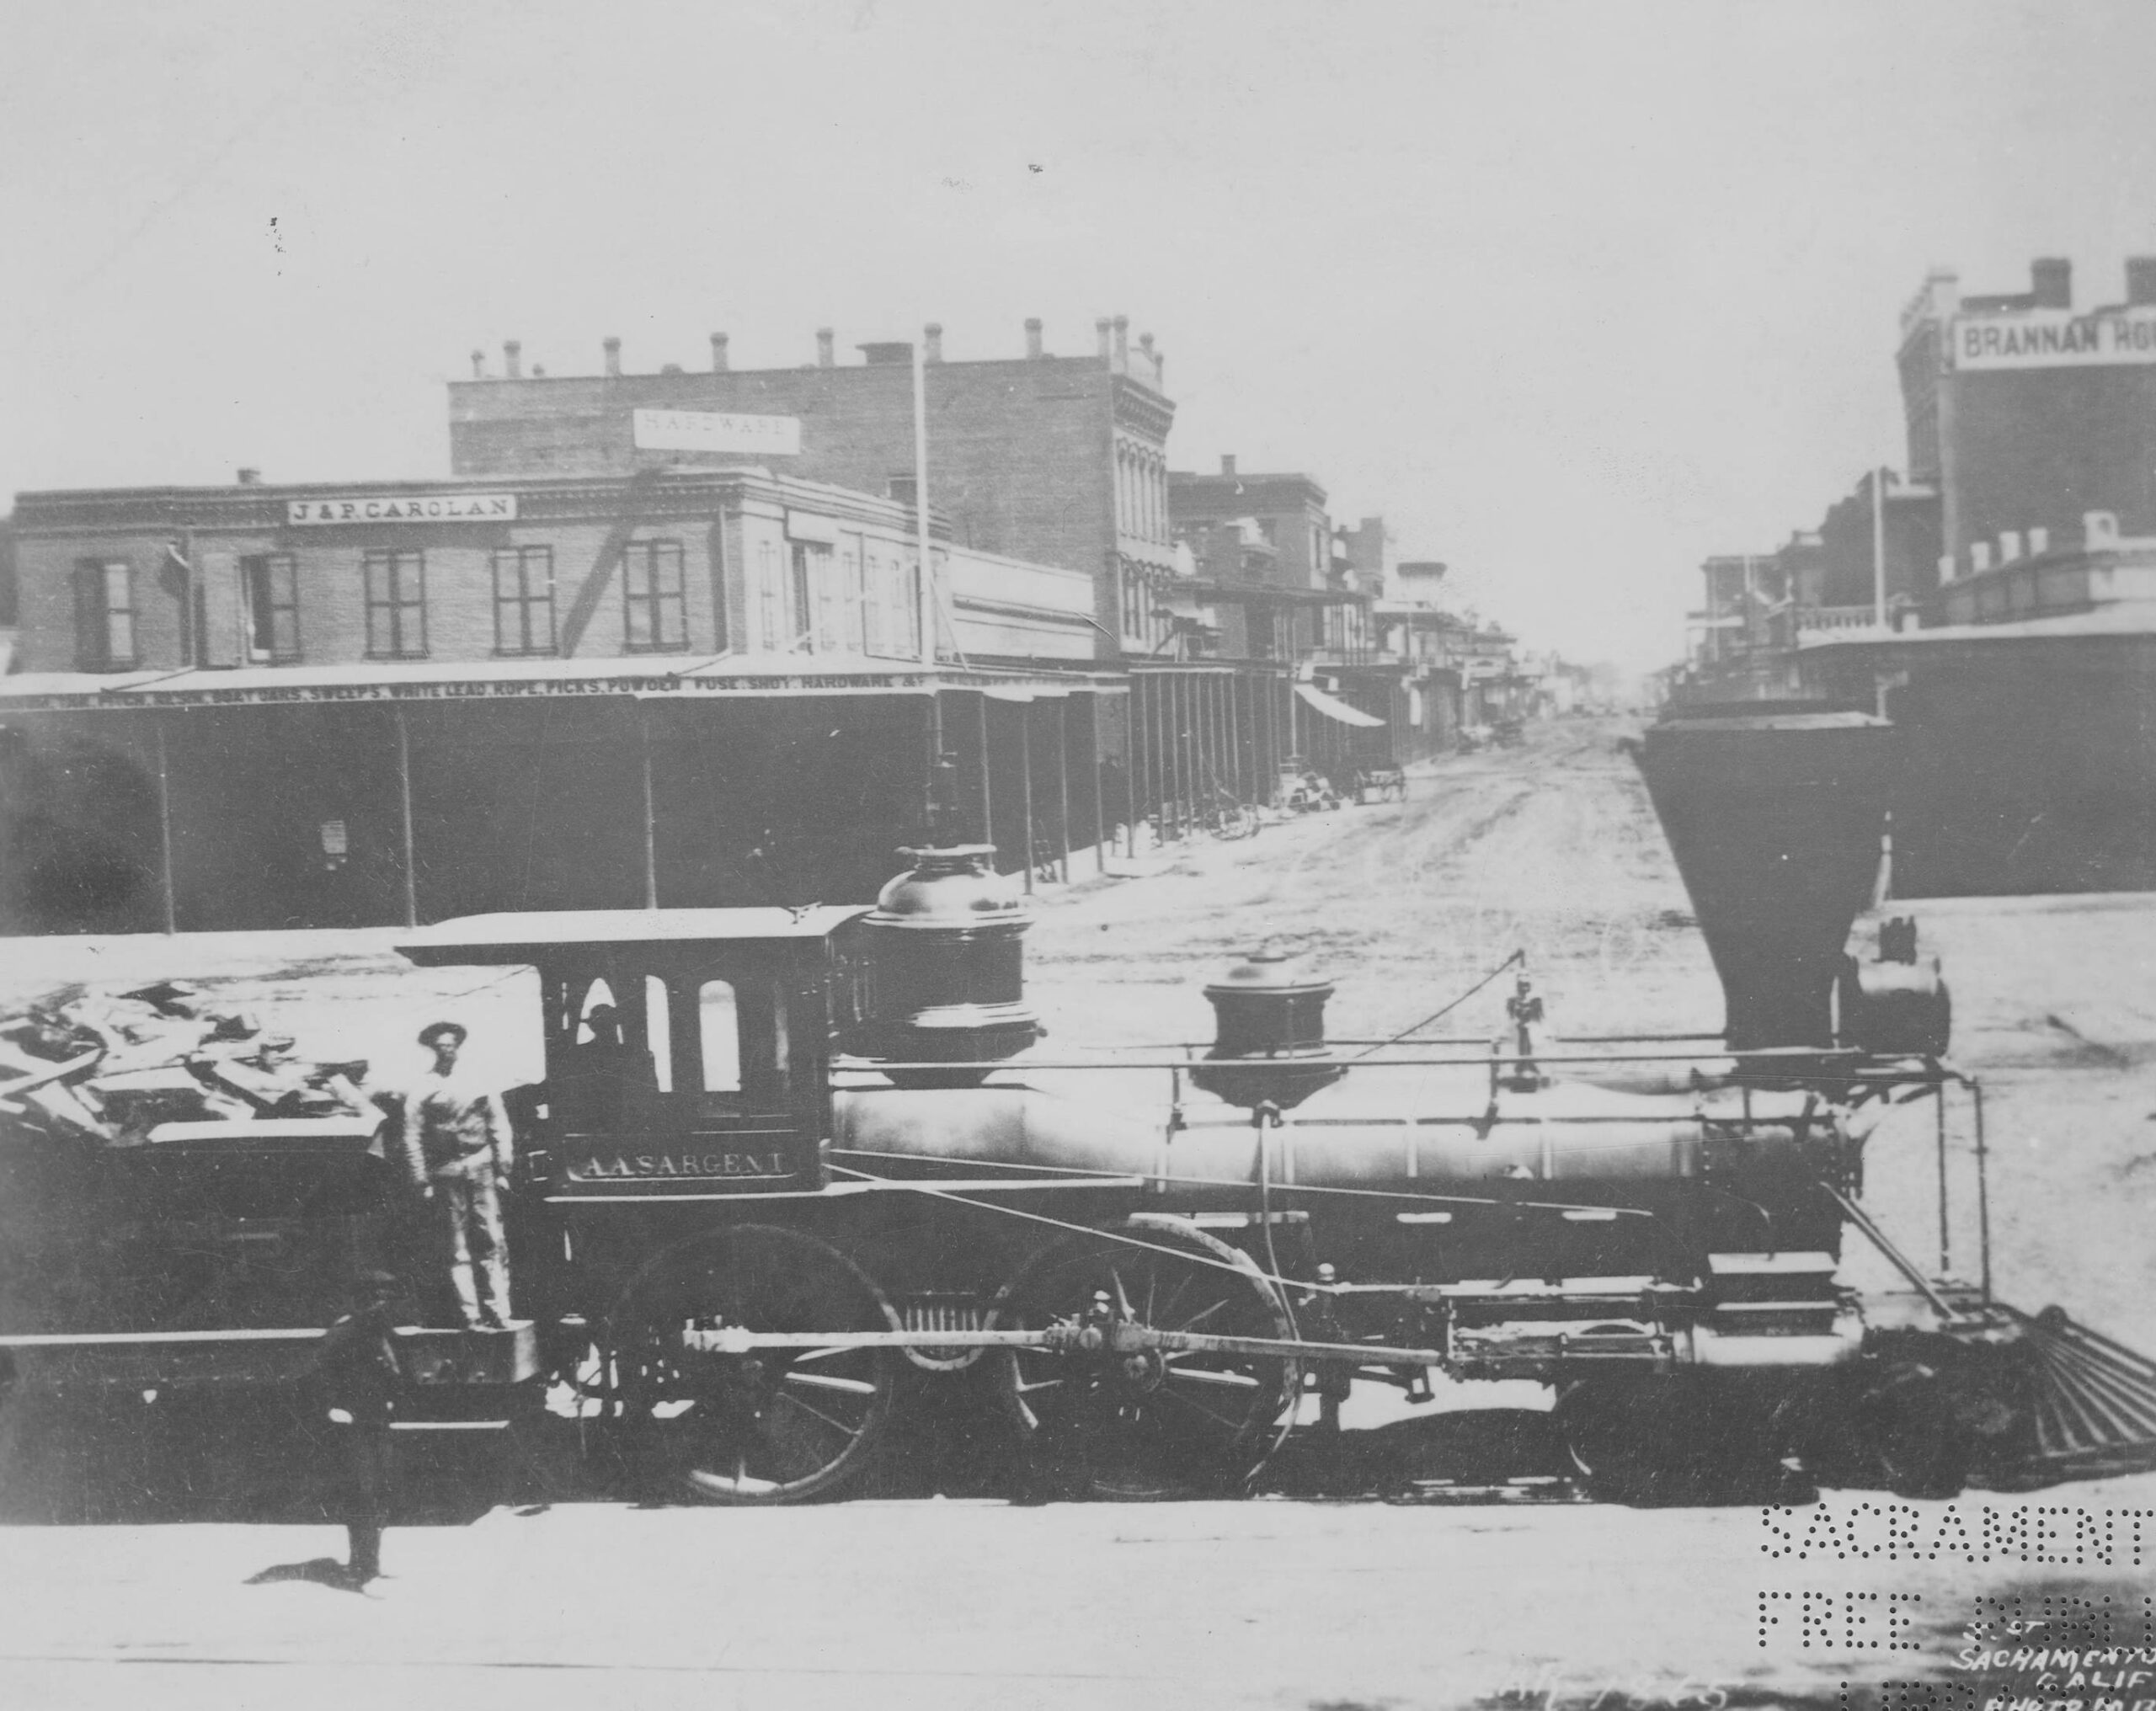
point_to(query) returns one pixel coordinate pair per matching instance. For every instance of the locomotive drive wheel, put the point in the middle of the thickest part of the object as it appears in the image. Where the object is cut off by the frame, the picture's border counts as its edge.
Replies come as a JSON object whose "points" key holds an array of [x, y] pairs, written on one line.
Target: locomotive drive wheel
{"points": [[776, 1425], [1156, 1423]]}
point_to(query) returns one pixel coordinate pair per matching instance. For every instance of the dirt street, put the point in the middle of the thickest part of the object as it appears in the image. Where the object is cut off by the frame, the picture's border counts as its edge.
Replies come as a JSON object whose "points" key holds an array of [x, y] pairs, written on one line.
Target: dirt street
{"points": [[1551, 849]]}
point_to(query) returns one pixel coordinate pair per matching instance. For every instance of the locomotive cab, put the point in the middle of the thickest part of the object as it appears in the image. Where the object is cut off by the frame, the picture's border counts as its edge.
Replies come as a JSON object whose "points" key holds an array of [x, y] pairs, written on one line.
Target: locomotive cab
{"points": [[686, 1050]]}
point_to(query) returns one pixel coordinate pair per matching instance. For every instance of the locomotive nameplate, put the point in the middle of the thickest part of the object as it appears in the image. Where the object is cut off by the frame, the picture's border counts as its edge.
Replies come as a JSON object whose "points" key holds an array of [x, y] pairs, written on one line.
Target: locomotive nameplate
{"points": [[685, 1165]]}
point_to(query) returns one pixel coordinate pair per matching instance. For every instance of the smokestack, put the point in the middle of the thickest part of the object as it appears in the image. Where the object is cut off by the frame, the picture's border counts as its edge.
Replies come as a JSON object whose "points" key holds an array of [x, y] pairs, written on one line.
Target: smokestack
{"points": [[1033, 338], [719, 353], [1227, 463], [932, 342], [824, 335], [479, 364], [512, 359], [250, 478], [2051, 282], [2141, 280], [613, 356], [1102, 326], [1121, 344]]}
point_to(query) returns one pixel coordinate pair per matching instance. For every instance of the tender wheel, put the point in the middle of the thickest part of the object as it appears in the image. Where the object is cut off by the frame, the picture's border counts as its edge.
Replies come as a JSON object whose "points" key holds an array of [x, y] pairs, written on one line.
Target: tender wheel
{"points": [[775, 1425], [1153, 1423]]}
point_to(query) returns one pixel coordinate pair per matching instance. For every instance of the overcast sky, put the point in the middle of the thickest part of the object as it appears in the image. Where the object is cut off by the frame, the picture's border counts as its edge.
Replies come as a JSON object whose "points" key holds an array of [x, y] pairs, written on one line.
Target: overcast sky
{"points": [[1574, 294]]}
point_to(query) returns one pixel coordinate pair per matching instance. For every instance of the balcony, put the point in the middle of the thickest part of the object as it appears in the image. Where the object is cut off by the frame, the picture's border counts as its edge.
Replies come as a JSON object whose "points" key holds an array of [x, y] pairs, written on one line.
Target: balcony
{"points": [[1831, 620]]}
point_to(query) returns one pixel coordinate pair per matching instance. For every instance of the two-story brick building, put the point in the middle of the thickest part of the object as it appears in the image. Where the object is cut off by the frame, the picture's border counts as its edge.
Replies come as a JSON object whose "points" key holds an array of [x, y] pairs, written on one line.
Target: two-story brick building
{"points": [[1279, 594], [1055, 460], [258, 705]]}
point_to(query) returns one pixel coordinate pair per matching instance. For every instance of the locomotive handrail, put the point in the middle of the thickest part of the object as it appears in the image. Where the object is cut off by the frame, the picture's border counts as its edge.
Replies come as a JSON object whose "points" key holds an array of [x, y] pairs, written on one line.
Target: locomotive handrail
{"points": [[1110, 1178], [851, 1065]]}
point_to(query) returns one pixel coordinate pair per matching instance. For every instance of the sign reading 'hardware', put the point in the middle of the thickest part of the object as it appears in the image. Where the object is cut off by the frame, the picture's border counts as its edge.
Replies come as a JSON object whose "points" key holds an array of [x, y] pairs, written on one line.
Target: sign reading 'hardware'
{"points": [[404, 508], [705, 430]]}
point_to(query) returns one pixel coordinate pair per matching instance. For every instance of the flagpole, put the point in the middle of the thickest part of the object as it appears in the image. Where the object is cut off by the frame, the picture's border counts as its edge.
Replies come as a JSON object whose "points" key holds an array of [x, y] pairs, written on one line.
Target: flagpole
{"points": [[924, 595], [1878, 547]]}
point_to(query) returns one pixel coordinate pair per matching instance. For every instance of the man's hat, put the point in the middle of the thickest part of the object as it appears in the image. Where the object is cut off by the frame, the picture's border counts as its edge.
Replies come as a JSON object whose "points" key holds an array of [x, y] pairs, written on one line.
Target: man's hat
{"points": [[436, 1031]]}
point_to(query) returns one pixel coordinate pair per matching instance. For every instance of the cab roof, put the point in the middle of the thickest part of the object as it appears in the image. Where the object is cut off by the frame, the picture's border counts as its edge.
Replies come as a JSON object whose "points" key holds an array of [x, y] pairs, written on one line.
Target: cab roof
{"points": [[536, 934]]}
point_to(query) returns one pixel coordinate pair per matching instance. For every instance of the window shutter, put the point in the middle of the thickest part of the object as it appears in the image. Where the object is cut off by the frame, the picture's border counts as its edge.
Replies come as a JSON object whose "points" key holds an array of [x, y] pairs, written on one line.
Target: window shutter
{"points": [[224, 611], [90, 645]]}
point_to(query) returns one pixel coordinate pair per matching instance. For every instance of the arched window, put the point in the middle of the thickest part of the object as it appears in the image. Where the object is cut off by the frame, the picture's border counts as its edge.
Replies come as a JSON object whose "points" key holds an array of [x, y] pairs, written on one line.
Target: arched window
{"points": [[718, 1022], [658, 1033]]}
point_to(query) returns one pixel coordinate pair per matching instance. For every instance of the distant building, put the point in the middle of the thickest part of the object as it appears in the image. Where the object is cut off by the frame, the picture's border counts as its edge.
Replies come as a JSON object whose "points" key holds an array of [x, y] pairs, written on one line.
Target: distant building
{"points": [[1276, 583], [1055, 460], [2026, 414]]}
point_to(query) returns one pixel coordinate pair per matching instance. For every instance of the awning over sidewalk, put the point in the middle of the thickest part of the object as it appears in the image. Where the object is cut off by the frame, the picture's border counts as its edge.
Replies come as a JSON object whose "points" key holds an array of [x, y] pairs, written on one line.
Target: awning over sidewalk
{"points": [[1334, 708]]}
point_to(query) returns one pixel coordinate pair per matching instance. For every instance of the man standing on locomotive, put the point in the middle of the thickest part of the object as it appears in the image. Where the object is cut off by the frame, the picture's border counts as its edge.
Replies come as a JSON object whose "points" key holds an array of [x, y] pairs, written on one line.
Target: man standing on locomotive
{"points": [[453, 1137]]}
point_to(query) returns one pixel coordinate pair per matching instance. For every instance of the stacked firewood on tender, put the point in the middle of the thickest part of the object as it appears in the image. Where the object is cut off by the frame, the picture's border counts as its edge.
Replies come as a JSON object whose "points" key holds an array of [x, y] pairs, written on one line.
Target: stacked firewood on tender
{"points": [[111, 1068]]}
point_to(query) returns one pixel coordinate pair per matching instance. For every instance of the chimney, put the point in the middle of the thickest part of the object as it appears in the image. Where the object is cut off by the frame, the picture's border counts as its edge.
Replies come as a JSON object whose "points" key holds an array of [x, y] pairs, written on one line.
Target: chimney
{"points": [[1123, 344], [613, 356], [1102, 326], [250, 478], [719, 353], [2051, 282], [479, 364], [1227, 463], [824, 335], [1033, 351], [2141, 280], [512, 359], [932, 342]]}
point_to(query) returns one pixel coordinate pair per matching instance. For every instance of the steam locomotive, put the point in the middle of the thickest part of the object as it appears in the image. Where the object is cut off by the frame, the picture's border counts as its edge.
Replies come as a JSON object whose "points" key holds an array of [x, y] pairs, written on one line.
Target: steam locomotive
{"points": [[783, 1159]]}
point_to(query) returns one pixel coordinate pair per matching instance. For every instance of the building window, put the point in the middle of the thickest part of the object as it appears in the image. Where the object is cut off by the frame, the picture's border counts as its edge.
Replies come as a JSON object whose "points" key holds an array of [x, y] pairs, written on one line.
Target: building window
{"points": [[270, 584], [104, 616], [397, 604], [658, 619], [771, 600], [818, 600], [891, 610], [524, 599]]}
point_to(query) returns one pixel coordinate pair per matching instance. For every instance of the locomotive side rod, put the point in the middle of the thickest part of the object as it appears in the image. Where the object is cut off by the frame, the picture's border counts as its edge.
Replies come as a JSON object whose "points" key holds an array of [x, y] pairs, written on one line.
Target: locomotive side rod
{"points": [[1122, 1338]]}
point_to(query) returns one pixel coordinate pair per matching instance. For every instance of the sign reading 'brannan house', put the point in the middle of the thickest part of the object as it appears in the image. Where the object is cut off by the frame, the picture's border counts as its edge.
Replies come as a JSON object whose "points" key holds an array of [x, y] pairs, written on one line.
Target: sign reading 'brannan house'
{"points": [[403, 507], [2054, 339]]}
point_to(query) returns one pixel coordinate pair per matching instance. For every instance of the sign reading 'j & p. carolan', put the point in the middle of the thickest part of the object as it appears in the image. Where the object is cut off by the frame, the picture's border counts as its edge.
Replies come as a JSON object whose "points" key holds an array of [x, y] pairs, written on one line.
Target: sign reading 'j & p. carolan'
{"points": [[710, 431], [403, 507], [2054, 339]]}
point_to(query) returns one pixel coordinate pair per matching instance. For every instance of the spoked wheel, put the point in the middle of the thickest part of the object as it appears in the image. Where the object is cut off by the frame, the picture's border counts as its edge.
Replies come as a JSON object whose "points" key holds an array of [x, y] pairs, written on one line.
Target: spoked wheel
{"points": [[771, 1425], [1150, 1423]]}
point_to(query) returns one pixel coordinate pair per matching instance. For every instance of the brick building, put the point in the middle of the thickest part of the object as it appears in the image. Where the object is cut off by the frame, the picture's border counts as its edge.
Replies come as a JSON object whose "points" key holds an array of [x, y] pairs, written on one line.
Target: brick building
{"points": [[256, 707], [2026, 414], [1056, 460], [1277, 588]]}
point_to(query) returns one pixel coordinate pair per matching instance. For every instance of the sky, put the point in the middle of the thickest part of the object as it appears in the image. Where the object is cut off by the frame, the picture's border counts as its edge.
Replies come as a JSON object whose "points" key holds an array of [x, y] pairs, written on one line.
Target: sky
{"points": [[1573, 295]]}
